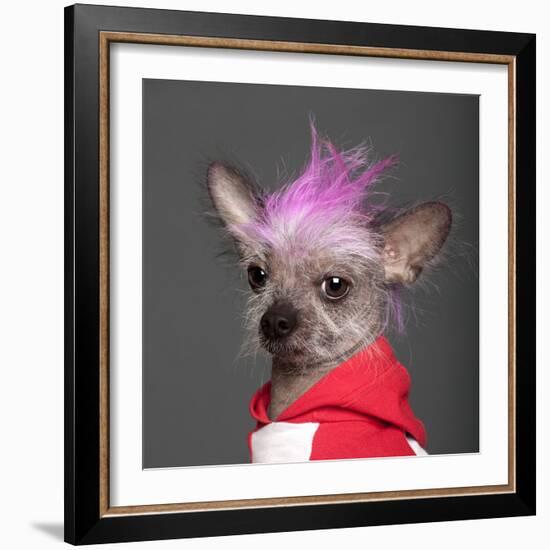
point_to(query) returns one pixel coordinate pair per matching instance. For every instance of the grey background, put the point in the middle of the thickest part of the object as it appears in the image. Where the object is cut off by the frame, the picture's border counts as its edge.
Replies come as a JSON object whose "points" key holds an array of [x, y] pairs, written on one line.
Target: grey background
{"points": [[196, 389]]}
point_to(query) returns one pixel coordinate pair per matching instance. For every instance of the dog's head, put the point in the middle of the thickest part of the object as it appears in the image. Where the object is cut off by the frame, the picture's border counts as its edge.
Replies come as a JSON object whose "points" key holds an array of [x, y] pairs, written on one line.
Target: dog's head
{"points": [[321, 267]]}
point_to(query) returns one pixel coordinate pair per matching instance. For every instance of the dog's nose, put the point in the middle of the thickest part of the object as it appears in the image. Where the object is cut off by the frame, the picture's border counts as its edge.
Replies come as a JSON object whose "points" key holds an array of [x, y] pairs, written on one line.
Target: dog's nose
{"points": [[278, 321]]}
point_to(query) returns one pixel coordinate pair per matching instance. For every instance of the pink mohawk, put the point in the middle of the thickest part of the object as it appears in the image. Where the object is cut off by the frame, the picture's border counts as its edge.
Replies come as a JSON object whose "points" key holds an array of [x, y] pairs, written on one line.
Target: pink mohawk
{"points": [[332, 180], [325, 206]]}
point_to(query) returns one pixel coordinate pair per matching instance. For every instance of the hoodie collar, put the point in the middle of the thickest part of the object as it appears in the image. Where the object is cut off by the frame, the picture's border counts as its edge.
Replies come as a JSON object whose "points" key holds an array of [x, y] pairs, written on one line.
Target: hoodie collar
{"points": [[371, 385]]}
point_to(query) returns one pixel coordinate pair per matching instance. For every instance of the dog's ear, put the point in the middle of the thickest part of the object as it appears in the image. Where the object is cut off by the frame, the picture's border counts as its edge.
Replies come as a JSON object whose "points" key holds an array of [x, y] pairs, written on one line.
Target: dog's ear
{"points": [[414, 238], [236, 200]]}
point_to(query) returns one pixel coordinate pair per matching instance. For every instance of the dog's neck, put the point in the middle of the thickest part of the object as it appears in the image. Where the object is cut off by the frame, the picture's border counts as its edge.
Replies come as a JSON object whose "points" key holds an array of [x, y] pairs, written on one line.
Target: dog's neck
{"points": [[290, 381]]}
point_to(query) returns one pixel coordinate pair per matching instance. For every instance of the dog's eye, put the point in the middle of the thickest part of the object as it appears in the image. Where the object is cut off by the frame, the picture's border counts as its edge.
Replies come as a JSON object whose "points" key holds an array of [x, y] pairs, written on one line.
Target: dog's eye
{"points": [[335, 288], [257, 277]]}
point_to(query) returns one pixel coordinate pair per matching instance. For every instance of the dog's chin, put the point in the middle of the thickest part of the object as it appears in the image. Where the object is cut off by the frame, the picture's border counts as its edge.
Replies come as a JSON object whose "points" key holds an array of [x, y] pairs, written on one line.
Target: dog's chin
{"points": [[289, 354], [285, 349]]}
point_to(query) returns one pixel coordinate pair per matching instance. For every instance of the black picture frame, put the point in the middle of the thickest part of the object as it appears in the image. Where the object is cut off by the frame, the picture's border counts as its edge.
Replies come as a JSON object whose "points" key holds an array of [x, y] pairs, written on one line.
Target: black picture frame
{"points": [[84, 522]]}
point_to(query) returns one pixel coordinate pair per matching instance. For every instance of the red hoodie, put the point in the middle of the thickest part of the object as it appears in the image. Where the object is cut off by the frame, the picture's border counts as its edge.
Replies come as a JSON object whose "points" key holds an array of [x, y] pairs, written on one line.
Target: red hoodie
{"points": [[359, 409]]}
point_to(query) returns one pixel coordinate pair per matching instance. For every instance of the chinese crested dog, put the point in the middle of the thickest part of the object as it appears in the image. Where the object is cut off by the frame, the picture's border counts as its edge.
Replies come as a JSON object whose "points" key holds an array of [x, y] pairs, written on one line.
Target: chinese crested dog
{"points": [[325, 263]]}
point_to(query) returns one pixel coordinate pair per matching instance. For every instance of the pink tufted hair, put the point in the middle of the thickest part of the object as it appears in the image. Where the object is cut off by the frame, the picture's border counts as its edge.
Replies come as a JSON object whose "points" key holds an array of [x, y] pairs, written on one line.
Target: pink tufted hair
{"points": [[326, 206]]}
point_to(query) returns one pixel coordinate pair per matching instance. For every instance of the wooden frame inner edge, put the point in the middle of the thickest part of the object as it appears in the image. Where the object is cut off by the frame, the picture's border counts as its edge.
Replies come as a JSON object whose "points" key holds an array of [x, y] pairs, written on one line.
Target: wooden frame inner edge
{"points": [[105, 38]]}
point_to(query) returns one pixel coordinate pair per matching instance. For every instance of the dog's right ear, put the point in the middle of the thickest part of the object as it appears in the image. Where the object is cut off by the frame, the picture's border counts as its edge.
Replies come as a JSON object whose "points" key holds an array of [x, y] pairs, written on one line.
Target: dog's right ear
{"points": [[236, 200]]}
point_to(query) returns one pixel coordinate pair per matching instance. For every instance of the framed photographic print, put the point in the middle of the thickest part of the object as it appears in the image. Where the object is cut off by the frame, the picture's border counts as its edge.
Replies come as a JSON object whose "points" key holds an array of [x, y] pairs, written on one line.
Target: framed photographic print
{"points": [[299, 274]]}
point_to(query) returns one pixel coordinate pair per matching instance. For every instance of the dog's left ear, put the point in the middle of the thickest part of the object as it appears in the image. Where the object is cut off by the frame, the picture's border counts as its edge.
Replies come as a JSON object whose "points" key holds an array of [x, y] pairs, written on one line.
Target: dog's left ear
{"points": [[414, 238]]}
